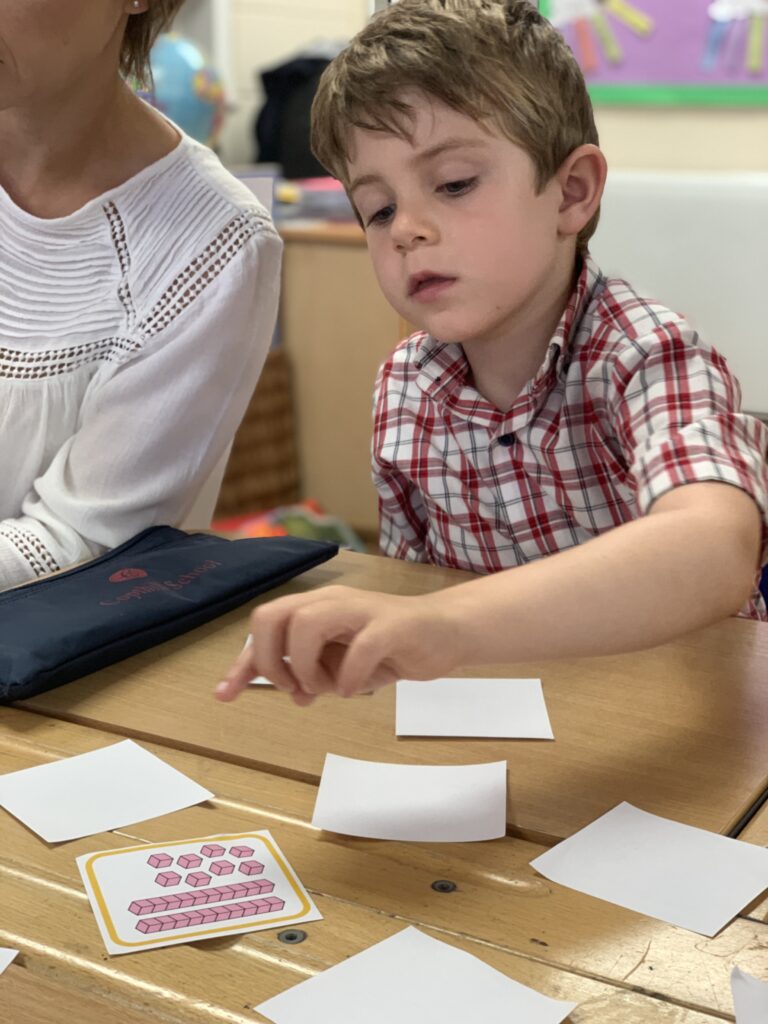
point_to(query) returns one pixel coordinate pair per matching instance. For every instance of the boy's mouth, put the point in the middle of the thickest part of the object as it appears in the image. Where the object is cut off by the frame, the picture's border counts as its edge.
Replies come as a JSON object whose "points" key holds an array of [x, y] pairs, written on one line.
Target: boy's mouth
{"points": [[427, 283]]}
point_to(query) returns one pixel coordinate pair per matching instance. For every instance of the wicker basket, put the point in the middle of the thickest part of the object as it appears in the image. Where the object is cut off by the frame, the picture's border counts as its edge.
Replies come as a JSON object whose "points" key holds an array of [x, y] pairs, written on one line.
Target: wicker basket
{"points": [[263, 471]]}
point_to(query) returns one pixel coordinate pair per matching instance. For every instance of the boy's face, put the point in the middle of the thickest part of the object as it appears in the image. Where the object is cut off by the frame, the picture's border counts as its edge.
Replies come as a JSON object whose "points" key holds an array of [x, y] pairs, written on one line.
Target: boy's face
{"points": [[461, 243]]}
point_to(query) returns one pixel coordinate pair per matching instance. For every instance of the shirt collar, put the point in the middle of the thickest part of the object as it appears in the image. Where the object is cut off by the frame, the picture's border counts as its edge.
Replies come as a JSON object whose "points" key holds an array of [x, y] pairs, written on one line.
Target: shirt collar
{"points": [[444, 372], [560, 349]]}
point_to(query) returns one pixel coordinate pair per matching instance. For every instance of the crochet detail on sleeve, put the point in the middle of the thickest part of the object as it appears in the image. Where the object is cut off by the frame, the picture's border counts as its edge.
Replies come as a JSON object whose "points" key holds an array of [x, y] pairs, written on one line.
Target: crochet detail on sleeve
{"points": [[198, 274], [31, 549], [124, 337], [19, 365]]}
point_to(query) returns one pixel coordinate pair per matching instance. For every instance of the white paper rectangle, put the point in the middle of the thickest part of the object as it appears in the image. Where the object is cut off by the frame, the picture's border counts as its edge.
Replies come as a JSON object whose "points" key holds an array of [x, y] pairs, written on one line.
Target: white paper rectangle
{"points": [[412, 978], [504, 708], [95, 792], [750, 998], [421, 803], [7, 956], [676, 873], [258, 680], [195, 889]]}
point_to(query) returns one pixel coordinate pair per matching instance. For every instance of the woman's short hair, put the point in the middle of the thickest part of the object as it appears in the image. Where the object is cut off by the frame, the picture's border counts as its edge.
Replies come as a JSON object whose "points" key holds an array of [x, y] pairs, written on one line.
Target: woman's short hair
{"points": [[140, 33]]}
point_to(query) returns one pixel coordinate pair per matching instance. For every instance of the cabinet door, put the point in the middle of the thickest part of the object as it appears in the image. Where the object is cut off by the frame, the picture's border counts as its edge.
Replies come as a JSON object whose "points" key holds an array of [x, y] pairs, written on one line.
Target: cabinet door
{"points": [[337, 329]]}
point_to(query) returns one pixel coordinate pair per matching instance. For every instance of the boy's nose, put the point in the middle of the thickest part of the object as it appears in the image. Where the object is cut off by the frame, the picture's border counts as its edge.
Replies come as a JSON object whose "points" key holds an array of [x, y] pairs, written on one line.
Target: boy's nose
{"points": [[409, 231]]}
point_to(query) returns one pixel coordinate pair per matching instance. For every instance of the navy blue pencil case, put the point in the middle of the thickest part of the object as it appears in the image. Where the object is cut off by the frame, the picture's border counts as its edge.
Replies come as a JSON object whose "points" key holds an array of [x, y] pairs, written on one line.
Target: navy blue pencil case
{"points": [[157, 585]]}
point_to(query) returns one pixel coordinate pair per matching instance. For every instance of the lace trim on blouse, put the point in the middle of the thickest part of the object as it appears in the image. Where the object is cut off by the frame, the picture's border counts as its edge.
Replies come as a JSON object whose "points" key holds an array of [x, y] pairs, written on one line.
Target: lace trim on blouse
{"points": [[16, 364], [31, 549], [117, 230]]}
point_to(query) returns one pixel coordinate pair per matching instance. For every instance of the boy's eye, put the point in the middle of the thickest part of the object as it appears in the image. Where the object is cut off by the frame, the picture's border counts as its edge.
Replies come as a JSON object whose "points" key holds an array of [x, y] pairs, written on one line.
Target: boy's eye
{"points": [[458, 188], [381, 216]]}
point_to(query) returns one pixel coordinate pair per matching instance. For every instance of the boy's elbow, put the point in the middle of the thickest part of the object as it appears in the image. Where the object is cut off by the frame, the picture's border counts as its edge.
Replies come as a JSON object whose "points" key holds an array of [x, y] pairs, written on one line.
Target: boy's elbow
{"points": [[728, 528], [740, 571], [741, 590]]}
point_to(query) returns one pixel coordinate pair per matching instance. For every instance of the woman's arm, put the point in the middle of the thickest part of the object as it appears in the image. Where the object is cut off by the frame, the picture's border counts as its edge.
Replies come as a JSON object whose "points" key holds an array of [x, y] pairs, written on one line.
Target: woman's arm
{"points": [[151, 431]]}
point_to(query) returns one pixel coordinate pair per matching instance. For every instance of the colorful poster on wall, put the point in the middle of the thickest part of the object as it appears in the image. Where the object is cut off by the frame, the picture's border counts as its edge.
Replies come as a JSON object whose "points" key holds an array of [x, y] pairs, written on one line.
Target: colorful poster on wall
{"points": [[690, 52]]}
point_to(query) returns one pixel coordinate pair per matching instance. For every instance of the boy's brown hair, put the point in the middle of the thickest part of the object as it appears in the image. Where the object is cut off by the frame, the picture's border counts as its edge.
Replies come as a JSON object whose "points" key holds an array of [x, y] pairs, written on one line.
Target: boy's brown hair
{"points": [[140, 33], [498, 61]]}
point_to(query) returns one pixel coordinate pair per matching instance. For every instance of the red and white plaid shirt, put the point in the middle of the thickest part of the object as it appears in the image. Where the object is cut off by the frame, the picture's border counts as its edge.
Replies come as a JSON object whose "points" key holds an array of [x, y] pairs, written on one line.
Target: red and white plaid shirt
{"points": [[627, 405]]}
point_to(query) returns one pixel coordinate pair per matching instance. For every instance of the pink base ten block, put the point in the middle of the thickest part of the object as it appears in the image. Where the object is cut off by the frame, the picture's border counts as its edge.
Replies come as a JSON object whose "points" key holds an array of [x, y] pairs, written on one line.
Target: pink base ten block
{"points": [[159, 860], [213, 850], [189, 860], [210, 915], [241, 851], [250, 867], [199, 897], [168, 878], [197, 878]]}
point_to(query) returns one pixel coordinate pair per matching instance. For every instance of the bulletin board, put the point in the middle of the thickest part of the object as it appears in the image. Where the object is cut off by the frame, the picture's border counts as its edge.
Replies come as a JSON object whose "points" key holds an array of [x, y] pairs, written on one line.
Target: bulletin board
{"points": [[668, 52]]}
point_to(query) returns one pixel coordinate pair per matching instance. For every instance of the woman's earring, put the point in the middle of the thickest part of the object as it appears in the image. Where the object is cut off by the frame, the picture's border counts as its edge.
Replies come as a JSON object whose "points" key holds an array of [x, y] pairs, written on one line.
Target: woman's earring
{"points": [[136, 4]]}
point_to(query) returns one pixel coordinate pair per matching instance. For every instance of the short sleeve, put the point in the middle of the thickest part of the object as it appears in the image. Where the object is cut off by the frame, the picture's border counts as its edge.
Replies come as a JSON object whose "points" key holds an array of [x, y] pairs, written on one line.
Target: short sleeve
{"points": [[676, 408]]}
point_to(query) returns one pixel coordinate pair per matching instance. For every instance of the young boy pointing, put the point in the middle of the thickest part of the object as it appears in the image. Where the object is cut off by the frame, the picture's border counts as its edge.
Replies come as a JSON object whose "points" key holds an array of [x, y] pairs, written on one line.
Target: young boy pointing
{"points": [[547, 427]]}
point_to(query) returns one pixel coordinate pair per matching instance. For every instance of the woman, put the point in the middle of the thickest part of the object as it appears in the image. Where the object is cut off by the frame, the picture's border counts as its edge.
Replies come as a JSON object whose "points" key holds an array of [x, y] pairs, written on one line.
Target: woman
{"points": [[138, 290]]}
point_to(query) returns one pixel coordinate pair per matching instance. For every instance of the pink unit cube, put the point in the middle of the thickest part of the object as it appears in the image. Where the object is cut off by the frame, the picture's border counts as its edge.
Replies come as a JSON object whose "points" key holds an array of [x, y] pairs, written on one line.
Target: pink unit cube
{"points": [[213, 850], [241, 851], [160, 860], [189, 860], [149, 925], [251, 867], [168, 878], [142, 907], [198, 878], [261, 885], [221, 867]]}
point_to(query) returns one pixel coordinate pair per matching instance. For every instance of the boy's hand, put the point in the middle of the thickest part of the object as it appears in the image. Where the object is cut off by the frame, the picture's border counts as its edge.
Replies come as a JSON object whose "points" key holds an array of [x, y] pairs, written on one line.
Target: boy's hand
{"points": [[347, 641]]}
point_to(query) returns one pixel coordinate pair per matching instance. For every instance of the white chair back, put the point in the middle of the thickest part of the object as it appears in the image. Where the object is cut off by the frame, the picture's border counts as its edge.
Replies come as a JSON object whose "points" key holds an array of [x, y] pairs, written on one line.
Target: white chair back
{"points": [[696, 242]]}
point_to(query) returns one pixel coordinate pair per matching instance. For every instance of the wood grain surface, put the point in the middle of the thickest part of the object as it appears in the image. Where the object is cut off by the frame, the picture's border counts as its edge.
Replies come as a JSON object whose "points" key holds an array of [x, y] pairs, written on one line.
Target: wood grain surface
{"points": [[619, 966], [679, 730]]}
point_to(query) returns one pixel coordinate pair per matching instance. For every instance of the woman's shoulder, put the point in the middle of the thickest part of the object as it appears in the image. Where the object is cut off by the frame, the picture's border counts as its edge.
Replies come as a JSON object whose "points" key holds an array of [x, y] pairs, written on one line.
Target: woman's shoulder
{"points": [[186, 222], [214, 176], [189, 191]]}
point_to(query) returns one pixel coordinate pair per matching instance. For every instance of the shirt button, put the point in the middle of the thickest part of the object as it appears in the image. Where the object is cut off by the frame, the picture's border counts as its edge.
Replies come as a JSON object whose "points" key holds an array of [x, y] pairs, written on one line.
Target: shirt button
{"points": [[507, 440]]}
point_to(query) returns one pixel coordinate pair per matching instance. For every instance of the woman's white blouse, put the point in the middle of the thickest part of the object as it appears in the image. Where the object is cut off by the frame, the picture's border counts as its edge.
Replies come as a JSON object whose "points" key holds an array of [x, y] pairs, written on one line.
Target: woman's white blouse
{"points": [[132, 334]]}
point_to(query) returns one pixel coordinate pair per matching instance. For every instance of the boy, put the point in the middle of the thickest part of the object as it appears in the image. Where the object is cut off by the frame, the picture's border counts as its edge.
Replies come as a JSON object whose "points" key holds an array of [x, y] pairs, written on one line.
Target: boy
{"points": [[540, 410]]}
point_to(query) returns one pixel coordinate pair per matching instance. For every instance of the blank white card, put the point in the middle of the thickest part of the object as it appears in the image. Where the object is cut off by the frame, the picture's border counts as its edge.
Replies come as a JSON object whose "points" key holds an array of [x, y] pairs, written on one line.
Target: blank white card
{"points": [[421, 803], [95, 792], [411, 978], [501, 708], [750, 998], [676, 873]]}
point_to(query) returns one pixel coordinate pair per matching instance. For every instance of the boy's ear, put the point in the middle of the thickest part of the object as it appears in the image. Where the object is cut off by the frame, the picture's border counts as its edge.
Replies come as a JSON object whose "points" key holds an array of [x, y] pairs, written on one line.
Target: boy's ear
{"points": [[581, 178]]}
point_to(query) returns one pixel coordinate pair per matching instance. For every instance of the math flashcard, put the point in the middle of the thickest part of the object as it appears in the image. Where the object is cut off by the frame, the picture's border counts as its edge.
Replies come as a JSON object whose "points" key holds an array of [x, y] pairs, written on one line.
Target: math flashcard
{"points": [[164, 894]]}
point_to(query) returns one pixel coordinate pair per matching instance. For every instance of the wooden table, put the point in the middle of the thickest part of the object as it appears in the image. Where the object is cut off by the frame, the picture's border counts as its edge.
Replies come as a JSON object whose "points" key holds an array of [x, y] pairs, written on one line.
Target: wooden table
{"points": [[262, 760], [680, 730]]}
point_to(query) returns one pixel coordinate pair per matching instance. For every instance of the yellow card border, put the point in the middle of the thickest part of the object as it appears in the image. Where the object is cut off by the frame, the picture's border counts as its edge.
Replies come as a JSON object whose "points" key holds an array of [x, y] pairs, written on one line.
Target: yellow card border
{"points": [[208, 932]]}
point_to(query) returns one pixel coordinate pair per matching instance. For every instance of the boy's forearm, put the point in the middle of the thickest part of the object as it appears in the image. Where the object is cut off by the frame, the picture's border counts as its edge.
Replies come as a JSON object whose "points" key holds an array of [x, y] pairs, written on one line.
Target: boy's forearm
{"points": [[679, 568]]}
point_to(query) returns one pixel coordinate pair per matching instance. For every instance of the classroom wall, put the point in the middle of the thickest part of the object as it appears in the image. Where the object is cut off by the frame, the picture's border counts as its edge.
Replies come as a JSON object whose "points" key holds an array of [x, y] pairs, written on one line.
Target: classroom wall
{"points": [[678, 139], [267, 32]]}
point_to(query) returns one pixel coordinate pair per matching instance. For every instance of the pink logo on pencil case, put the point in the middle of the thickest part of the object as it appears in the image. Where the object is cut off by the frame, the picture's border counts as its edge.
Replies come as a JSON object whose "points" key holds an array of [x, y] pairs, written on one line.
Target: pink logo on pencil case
{"points": [[141, 590], [127, 574]]}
